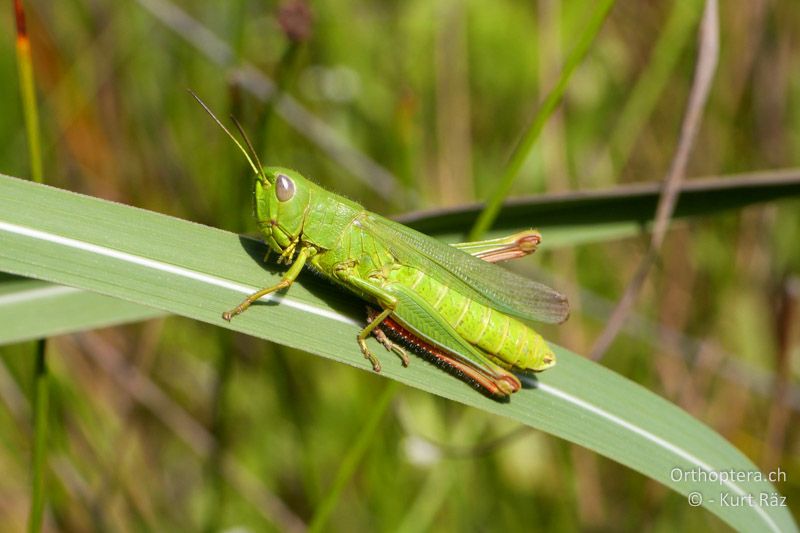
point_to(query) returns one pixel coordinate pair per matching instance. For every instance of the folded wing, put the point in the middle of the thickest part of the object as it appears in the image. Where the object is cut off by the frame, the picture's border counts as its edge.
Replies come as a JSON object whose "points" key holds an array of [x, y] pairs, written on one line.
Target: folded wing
{"points": [[484, 282]]}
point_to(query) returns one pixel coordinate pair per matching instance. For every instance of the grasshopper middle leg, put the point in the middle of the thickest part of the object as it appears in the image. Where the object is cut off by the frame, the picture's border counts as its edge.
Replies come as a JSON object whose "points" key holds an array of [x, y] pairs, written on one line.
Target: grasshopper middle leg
{"points": [[388, 304], [385, 341]]}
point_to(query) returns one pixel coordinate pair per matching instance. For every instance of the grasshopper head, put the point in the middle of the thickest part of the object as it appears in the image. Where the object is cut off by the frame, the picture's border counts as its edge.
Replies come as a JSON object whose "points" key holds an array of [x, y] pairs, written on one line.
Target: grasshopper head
{"points": [[281, 201], [281, 195]]}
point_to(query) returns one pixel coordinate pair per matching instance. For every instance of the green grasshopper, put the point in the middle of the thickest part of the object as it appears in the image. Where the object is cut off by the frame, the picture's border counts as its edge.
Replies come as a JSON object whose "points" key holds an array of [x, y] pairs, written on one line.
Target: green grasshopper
{"points": [[457, 305], [495, 250]]}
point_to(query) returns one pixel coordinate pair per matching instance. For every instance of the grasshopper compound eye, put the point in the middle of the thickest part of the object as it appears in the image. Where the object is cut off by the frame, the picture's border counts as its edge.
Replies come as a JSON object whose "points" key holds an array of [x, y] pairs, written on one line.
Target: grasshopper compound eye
{"points": [[284, 188]]}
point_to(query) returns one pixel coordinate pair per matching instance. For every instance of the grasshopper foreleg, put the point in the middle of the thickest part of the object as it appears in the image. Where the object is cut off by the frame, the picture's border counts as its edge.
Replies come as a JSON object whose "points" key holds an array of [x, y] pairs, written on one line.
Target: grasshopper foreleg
{"points": [[285, 282]]}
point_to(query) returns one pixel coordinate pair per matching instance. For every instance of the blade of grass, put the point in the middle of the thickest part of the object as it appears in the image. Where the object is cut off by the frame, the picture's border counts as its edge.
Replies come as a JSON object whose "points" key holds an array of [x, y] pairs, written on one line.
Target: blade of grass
{"points": [[437, 488], [353, 457], [571, 218], [521, 152], [31, 309], [219, 432], [27, 89], [40, 410], [645, 94], [143, 257]]}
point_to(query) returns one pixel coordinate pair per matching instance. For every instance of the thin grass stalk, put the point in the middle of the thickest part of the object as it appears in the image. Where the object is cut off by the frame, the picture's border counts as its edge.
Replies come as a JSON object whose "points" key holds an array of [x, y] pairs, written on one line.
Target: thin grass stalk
{"points": [[553, 99], [655, 77], [40, 411], [27, 89], [220, 406], [354, 455]]}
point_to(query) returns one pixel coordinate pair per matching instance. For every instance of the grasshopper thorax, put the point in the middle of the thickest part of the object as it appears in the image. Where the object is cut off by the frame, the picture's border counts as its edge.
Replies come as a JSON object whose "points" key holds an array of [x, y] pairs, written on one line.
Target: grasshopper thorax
{"points": [[281, 203]]}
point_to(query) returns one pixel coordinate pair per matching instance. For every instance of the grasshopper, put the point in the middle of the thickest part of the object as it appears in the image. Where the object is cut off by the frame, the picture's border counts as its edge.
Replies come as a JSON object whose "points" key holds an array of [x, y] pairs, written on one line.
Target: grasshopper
{"points": [[495, 250], [459, 306]]}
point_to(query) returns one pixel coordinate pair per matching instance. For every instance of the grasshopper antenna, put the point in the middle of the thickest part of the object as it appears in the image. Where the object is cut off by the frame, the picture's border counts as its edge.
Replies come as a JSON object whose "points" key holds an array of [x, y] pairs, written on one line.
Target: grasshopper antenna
{"points": [[249, 145], [257, 169]]}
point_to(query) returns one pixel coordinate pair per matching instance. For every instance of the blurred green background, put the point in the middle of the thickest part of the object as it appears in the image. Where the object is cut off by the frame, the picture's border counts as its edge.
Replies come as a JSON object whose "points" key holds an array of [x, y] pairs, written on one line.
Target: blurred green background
{"points": [[175, 425]]}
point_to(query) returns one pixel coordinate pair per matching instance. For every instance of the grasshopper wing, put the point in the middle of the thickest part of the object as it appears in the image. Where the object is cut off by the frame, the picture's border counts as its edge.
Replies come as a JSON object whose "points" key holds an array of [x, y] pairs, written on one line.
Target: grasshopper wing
{"points": [[484, 282]]}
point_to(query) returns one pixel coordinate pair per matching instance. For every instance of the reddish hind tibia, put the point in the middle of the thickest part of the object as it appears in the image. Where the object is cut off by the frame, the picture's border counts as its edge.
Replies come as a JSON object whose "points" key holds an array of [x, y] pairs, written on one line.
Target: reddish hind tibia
{"points": [[500, 387]]}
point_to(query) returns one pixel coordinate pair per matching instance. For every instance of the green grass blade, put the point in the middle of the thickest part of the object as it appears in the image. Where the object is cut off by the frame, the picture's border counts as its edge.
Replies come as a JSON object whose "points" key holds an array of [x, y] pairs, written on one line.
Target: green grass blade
{"points": [[489, 213], [196, 271], [567, 219], [352, 458], [41, 402], [31, 309], [571, 218], [675, 36], [27, 89]]}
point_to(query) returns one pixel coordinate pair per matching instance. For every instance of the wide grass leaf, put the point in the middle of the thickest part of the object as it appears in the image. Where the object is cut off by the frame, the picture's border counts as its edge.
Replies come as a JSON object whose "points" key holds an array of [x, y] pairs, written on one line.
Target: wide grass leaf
{"points": [[197, 271], [571, 218], [33, 309], [567, 219]]}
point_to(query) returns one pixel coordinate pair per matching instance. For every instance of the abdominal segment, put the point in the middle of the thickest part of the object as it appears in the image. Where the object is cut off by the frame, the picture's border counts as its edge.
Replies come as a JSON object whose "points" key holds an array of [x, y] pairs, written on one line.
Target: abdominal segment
{"points": [[509, 343]]}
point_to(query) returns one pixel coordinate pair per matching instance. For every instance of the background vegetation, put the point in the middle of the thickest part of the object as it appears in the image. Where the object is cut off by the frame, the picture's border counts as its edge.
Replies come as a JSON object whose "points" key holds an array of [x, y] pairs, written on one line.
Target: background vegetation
{"points": [[146, 417]]}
